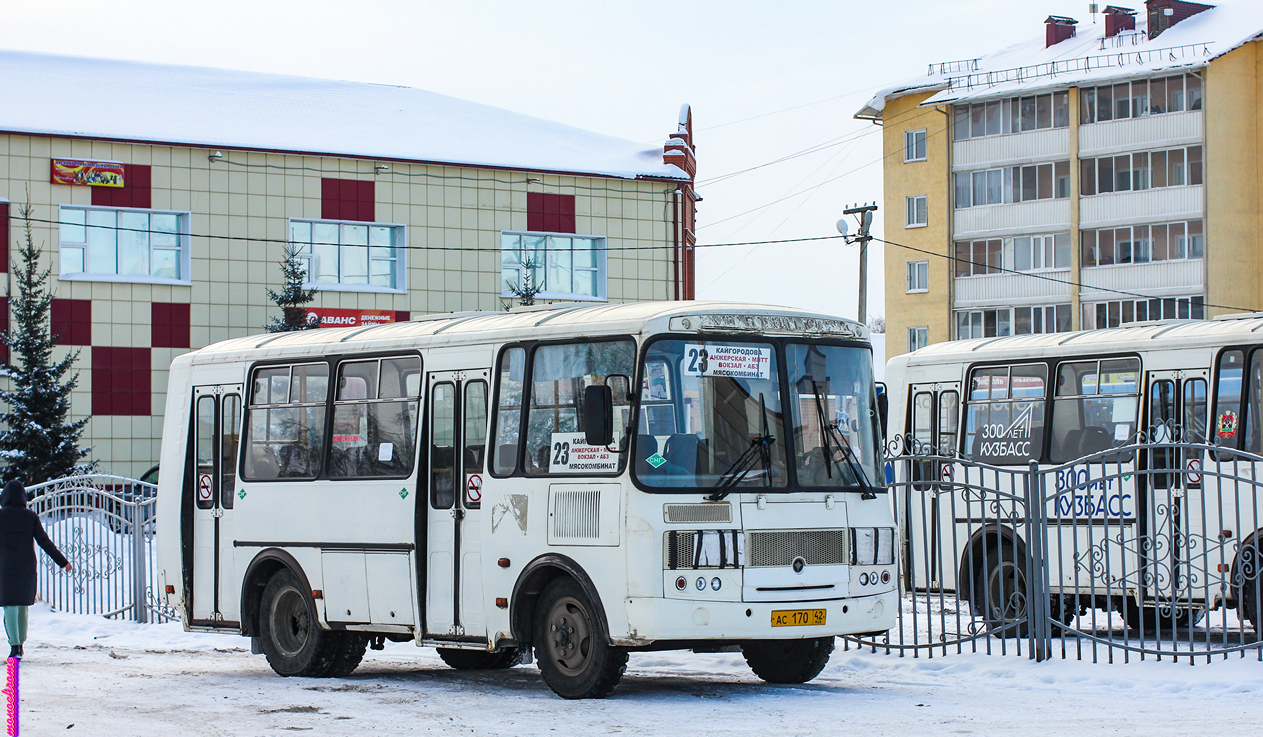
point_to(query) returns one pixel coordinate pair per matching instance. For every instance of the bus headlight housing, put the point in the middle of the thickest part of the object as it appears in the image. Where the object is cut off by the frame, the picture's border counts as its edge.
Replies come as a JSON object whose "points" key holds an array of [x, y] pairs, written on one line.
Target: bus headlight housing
{"points": [[872, 546]]}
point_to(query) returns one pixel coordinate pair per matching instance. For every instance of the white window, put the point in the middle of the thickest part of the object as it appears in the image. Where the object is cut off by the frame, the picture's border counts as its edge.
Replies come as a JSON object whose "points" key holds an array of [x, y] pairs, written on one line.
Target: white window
{"points": [[124, 244], [561, 266], [351, 256], [918, 276], [918, 212], [918, 337], [1121, 312], [914, 145]]}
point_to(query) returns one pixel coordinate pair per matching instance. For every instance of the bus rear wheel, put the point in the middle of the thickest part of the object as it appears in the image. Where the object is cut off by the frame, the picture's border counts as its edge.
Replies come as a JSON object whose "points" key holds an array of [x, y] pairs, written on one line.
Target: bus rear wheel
{"points": [[480, 659], [788, 661], [292, 640], [574, 656]]}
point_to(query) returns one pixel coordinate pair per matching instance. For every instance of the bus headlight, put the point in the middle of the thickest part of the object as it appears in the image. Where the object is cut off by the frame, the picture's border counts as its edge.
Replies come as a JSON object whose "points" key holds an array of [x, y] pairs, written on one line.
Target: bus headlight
{"points": [[872, 546]]}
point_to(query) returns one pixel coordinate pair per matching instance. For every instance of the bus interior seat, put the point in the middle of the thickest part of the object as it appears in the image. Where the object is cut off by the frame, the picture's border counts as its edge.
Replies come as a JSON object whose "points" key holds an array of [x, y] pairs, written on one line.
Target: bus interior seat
{"points": [[507, 456], [473, 456], [263, 463], [689, 452], [353, 387], [1094, 439], [646, 446]]}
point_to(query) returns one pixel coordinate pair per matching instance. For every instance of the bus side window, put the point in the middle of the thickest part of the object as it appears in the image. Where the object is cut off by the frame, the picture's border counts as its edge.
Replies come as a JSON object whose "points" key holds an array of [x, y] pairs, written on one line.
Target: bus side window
{"points": [[230, 426], [1253, 391], [205, 446], [509, 387], [1161, 428], [1095, 407], [1228, 378], [923, 421], [442, 446], [1193, 422], [948, 421], [475, 436], [285, 426], [375, 418]]}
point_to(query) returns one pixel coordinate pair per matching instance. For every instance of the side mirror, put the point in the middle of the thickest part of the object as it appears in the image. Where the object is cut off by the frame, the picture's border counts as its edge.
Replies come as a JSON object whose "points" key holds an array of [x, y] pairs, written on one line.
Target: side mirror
{"points": [[598, 415], [883, 408]]}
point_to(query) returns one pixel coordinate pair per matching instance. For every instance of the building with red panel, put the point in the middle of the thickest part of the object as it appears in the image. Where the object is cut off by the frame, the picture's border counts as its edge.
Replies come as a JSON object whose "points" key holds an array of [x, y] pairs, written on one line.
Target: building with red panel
{"points": [[165, 205]]}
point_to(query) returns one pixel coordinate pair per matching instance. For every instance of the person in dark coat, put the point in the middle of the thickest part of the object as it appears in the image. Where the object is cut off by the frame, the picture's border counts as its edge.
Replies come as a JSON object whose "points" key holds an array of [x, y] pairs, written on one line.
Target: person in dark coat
{"points": [[19, 530]]}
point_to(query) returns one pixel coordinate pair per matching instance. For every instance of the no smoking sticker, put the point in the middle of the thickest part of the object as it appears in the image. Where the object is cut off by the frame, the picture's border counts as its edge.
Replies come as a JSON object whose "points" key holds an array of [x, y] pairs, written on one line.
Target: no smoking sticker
{"points": [[473, 489], [204, 492]]}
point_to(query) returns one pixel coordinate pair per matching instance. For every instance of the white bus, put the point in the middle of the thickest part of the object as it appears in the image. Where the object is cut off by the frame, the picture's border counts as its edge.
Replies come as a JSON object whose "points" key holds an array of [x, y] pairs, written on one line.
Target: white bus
{"points": [[583, 481], [1158, 535]]}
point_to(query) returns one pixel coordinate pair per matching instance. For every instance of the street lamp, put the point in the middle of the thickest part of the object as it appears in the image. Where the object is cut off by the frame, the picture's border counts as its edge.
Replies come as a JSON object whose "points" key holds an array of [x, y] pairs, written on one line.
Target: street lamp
{"points": [[863, 214]]}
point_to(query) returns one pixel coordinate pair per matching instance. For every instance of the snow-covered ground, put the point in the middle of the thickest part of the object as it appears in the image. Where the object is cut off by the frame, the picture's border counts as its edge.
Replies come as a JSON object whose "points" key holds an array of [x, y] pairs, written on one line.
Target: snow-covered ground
{"points": [[114, 678]]}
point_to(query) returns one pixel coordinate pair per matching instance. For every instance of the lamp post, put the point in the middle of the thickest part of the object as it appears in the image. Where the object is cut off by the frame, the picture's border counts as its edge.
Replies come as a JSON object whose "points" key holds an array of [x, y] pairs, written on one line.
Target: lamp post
{"points": [[864, 214]]}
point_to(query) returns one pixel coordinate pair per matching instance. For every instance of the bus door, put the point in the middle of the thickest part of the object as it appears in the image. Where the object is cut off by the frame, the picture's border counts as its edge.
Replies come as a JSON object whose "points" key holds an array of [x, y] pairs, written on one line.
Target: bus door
{"points": [[217, 427], [458, 442], [935, 410], [1172, 518]]}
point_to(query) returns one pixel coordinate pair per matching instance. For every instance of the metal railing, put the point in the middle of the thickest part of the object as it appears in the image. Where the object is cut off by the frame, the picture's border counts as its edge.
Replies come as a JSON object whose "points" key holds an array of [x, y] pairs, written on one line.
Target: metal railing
{"points": [[1188, 52], [1147, 550], [105, 526]]}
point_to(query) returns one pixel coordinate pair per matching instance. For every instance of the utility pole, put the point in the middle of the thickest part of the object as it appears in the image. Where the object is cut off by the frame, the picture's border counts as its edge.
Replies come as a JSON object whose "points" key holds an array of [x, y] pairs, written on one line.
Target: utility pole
{"points": [[864, 214]]}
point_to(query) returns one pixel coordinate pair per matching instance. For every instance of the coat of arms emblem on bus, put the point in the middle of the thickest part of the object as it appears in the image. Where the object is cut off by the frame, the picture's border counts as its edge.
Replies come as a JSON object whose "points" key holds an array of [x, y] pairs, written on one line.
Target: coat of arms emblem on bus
{"points": [[1226, 425]]}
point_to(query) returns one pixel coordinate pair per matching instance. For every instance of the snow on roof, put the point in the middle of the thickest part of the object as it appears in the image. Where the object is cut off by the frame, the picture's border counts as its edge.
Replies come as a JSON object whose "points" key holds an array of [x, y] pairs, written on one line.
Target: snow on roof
{"points": [[1087, 57], [56, 95]]}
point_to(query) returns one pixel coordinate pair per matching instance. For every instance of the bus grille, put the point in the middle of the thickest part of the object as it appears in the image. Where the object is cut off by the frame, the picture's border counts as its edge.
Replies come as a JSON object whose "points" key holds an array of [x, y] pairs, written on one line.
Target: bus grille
{"points": [[781, 547], [680, 549], [577, 514], [698, 513]]}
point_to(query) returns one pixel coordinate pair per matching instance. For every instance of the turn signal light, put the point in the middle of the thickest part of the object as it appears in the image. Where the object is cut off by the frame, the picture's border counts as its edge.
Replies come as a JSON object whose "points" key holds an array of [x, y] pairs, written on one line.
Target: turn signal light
{"points": [[1225, 567], [502, 602], [503, 562], [170, 589], [317, 594]]}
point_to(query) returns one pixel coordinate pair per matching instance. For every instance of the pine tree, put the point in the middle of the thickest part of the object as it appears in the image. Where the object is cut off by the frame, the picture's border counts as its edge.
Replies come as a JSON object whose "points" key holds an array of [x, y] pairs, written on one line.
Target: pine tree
{"points": [[292, 298], [38, 444], [526, 291]]}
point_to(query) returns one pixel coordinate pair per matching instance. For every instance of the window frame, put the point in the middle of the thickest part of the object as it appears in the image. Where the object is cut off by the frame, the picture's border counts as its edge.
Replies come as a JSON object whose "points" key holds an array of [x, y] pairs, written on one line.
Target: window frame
{"points": [[185, 259], [600, 271], [914, 205], [965, 401], [910, 144], [400, 248], [915, 335], [918, 277]]}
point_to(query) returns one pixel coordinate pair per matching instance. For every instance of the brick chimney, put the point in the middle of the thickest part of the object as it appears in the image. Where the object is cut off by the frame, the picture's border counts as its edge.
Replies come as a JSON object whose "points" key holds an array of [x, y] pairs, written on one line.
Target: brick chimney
{"points": [[679, 147], [1118, 20], [1057, 29], [1165, 13]]}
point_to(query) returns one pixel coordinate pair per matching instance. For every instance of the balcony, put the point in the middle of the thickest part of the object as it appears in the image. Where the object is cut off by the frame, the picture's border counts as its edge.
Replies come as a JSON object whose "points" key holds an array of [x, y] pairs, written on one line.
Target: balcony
{"points": [[1146, 206], [1157, 279], [1009, 290], [1008, 150], [999, 220], [1139, 134]]}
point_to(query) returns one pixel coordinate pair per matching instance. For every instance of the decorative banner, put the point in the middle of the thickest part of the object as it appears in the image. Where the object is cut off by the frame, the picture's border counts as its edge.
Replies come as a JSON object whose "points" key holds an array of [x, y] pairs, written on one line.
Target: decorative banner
{"points": [[335, 318], [12, 702], [91, 173]]}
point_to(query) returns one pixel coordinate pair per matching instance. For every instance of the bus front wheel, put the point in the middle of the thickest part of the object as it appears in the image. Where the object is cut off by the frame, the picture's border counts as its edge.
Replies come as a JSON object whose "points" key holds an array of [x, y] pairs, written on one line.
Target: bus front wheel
{"points": [[788, 661], [575, 659], [292, 639]]}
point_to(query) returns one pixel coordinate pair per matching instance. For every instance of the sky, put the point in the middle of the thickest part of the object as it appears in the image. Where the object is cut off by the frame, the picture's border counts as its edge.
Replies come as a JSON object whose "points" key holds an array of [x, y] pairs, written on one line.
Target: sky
{"points": [[765, 80]]}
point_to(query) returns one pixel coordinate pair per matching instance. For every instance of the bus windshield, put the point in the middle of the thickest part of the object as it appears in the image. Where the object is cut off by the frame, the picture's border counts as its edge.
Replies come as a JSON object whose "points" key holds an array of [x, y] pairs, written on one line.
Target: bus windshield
{"points": [[704, 407], [834, 413]]}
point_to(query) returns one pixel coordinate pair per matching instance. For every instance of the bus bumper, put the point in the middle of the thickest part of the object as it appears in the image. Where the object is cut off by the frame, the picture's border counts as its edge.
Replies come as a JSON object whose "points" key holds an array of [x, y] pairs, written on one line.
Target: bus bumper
{"points": [[653, 619]]}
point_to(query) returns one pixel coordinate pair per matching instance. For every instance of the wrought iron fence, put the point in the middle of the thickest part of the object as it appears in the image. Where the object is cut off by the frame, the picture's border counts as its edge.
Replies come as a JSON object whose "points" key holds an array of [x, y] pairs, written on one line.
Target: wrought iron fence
{"points": [[1147, 550], [105, 526]]}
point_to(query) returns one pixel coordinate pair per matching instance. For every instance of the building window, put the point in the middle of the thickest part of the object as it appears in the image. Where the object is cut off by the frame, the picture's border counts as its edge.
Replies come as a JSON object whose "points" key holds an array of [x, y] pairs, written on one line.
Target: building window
{"points": [[1139, 99], [124, 244], [1121, 312], [914, 145], [999, 322], [1013, 115], [561, 266], [1012, 184], [1139, 171], [350, 256], [918, 276], [1141, 244], [918, 215], [1041, 319], [1021, 253], [918, 337]]}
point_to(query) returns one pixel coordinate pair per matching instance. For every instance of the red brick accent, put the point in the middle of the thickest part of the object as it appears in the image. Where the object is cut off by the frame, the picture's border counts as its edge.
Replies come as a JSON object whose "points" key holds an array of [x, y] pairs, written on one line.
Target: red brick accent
{"points": [[71, 322], [550, 213], [348, 199], [4, 238], [121, 381], [170, 325], [135, 191], [402, 315]]}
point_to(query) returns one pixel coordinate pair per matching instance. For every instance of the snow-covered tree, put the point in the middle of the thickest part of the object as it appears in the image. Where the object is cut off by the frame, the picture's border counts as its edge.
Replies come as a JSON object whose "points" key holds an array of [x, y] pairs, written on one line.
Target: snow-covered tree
{"points": [[292, 298], [526, 291], [38, 443]]}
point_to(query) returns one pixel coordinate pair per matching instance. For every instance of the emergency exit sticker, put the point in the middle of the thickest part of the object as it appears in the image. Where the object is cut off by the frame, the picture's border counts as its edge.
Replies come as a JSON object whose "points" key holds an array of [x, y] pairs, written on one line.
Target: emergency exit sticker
{"points": [[570, 453], [734, 361]]}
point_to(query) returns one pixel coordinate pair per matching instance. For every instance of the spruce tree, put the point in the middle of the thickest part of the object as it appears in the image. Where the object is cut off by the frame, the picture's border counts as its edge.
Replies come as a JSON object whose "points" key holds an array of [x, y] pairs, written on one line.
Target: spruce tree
{"points": [[38, 444], [292, 298]]}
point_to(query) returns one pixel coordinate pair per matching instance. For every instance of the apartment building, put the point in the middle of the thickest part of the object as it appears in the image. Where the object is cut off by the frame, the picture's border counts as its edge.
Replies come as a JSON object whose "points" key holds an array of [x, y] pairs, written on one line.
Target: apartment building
{"points": [[163, 198], [1106, 172]]}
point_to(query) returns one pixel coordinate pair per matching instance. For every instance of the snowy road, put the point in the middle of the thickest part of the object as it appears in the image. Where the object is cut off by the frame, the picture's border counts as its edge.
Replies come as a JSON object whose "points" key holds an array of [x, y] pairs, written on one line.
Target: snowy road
{"points": [[109, 678]]}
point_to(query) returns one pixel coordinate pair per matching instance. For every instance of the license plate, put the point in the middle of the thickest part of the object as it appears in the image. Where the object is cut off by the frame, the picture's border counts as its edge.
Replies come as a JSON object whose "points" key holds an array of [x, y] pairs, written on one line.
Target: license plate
{"points": [[797, 617]]}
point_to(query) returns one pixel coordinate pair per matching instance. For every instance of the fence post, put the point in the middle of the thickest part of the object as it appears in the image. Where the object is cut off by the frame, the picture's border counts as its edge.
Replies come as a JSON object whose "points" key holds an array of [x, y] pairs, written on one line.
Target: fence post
{"points": [[139, 558], [1036, 572]]}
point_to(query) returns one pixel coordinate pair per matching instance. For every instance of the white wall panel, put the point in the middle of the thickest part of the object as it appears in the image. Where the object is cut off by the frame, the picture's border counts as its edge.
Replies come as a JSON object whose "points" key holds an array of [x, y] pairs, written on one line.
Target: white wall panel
{"points": [[1149, 206], [1007, 290], [1158, 279], [1024, 217], [1138, 134], [1018, 148]]}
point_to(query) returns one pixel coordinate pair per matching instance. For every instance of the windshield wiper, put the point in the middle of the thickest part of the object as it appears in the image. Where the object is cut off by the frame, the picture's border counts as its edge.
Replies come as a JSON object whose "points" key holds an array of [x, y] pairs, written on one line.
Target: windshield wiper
{"points": [[832, 434], [760, 450]]}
